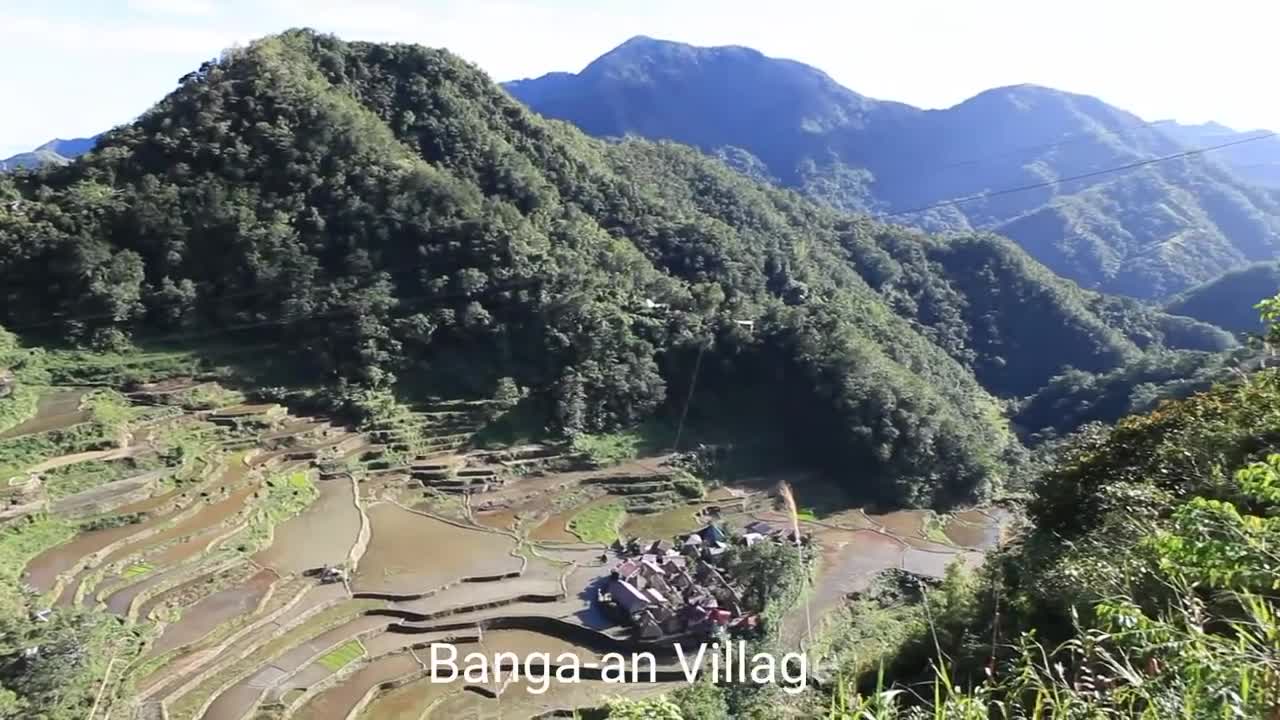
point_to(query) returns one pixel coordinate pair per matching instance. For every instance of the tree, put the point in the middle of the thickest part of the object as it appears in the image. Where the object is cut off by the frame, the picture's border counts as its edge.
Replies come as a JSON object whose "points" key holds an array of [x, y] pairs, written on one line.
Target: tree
{"points": [[1269, 310], [702, 700]]}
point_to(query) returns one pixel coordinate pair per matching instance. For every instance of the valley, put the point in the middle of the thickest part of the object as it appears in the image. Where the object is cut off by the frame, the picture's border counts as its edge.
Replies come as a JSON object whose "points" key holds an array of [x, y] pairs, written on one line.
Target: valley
{"points": [[343, 355], [286, 566], [1100, 196]]}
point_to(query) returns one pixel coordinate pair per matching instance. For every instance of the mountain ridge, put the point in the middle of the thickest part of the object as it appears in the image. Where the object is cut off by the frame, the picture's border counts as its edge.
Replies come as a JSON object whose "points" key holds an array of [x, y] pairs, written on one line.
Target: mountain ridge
{"points": [[884, 158], [394, 216], [56, 152]]}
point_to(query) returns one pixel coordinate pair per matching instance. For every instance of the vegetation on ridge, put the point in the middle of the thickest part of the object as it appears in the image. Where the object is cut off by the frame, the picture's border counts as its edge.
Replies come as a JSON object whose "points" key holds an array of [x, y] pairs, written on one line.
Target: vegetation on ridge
{"points": [[386, 213], [1150, 233], [1144, 587]]}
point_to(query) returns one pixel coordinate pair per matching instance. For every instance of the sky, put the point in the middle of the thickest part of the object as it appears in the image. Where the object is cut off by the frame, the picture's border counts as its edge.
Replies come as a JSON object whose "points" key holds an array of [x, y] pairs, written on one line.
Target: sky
{"points": [[73, 68]]}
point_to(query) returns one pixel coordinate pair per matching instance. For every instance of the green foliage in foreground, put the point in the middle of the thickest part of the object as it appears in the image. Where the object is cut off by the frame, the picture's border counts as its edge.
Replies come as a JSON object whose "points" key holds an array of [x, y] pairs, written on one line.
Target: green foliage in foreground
{"points": [[1146, 588], [53, 670], [650, 709]]}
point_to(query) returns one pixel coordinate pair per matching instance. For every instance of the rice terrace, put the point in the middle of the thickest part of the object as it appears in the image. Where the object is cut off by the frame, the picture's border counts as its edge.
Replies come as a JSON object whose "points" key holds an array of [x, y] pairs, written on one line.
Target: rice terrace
{"points": [[263, 561]]}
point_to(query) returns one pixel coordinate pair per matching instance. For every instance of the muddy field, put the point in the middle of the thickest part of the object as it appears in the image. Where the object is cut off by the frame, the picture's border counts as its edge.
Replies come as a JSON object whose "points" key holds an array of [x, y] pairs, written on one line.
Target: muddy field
{"points": [[55, 410], [320, 599], [415, 553], [323, 534]]}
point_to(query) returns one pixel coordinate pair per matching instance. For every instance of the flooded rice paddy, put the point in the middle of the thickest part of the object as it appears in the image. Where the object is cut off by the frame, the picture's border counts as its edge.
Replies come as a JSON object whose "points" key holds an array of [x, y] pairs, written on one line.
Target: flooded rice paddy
{"points": [[415, 553], [322, 535], [55, 410], [247, 623]]}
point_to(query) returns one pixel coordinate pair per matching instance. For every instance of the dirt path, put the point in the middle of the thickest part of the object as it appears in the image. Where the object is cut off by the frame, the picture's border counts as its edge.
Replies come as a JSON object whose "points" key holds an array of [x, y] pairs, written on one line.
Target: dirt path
{"points": [[108, 454]]}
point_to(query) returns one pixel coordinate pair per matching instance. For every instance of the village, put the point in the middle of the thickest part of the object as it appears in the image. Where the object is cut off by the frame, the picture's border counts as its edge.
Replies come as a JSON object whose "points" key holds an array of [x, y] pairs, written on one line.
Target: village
{"points": [[295, 541], [680, 589]]}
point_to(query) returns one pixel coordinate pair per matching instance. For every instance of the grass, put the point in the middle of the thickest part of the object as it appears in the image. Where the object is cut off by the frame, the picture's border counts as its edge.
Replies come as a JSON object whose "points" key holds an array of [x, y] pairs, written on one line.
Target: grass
{"points": [[863, 634], [618, 447], [341, 656], [451, 506], [137, 570], [78, 477], [935, 529], [598, 523], [18, 544], [118, 368], [19, 406], [206, 397], [609, 449], [287, 495], [17, 454], [679, 520], [109, 413]]}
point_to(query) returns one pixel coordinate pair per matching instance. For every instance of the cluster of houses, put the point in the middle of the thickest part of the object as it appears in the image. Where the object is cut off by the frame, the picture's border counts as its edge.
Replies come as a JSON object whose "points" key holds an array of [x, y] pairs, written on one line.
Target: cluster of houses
{"points": [[664, 589]]}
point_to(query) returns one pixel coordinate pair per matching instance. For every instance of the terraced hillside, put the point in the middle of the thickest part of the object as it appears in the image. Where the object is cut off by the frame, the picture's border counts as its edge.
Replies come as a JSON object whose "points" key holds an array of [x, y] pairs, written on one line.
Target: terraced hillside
{"points": [[266, 563]]}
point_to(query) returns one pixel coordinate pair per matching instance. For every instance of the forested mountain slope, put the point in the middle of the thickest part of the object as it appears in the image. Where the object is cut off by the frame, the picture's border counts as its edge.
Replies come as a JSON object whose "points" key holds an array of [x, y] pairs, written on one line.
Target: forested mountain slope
{"points": [[1226, 301], [1148, 233], [1143, 585], [373, 208], [385, 211]]}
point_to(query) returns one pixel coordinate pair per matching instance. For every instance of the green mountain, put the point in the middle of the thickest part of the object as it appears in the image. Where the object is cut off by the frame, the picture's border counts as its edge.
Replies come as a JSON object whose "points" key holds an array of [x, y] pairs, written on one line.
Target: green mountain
{"points": [[386, 214], [54, 152], [1227, 301], [1148, 233]]}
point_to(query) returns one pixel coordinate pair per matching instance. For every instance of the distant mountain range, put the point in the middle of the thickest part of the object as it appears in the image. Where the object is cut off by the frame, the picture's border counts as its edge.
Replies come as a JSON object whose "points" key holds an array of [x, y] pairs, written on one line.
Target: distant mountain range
{"points": [[386, 214], [1151, 231], [1258, 162], [1000, 161], [55, 152]]}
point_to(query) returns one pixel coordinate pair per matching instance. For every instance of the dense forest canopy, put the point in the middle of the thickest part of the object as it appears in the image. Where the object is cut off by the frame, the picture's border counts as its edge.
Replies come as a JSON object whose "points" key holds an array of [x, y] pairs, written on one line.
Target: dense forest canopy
{"points": [[384, 219], [1143, 586], [385, 212], [1227, 301]]}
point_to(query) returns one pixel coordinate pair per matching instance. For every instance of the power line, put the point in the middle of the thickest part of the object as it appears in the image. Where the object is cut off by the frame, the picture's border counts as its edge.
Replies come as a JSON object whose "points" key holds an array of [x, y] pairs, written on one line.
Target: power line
{"points": [[1067, 140], [1073, 178]]}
